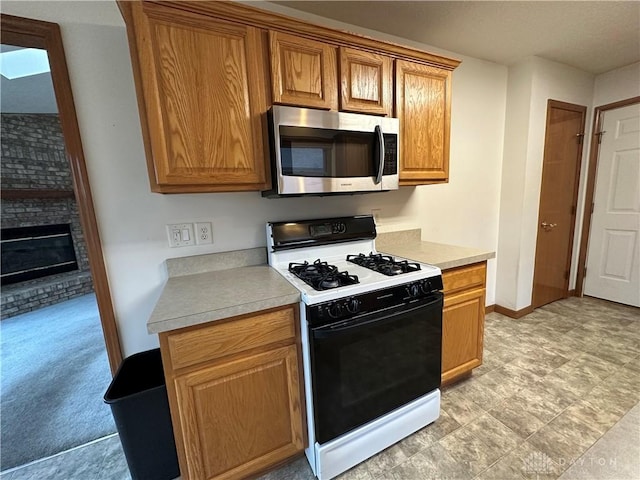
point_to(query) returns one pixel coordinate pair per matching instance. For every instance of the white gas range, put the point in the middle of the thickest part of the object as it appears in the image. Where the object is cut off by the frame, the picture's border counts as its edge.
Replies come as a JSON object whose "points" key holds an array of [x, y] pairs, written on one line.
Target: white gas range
{"points": [[371, 338]]}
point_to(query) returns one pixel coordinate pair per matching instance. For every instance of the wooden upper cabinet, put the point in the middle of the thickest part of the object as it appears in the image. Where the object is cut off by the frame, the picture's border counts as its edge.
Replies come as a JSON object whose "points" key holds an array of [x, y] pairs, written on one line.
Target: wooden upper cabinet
{"points": [[423, 105], [303, 72], [366, 82], [202, 94], [204, 71]]}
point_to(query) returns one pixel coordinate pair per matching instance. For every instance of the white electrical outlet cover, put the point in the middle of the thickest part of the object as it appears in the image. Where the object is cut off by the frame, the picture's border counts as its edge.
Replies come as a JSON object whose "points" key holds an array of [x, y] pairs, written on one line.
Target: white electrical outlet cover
{"points": [[204, 233]]}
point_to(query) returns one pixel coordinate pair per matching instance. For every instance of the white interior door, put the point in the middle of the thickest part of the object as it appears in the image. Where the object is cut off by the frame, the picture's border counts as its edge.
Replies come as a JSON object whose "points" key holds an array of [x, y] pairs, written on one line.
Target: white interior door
{"points": [[613, 258]]}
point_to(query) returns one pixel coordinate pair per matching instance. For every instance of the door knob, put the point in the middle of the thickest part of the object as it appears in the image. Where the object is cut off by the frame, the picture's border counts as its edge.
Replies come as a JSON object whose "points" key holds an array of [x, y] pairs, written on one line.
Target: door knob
{"points": [[548, 226]]}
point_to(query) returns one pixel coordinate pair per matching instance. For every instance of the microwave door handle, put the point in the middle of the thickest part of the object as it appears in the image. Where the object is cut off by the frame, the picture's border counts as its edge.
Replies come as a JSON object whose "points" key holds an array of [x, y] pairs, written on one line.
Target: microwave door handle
{"points": [[378, 131]]}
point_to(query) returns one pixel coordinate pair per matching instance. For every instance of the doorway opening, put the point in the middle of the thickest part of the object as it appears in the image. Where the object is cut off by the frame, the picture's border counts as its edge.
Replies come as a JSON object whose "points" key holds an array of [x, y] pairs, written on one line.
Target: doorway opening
{"points": [[610, 242], [47, 215]]}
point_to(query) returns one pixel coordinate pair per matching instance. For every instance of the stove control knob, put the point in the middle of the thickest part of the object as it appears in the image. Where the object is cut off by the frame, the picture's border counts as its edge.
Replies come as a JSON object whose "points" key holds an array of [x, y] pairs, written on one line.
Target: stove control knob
{"points": [[334, 310], [413, 290], [425, 286], [353, 305]]}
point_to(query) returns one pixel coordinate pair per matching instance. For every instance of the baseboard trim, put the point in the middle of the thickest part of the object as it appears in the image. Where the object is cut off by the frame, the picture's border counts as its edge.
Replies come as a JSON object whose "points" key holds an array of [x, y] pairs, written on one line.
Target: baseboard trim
{"points": [[489, 309], [513, 313]]}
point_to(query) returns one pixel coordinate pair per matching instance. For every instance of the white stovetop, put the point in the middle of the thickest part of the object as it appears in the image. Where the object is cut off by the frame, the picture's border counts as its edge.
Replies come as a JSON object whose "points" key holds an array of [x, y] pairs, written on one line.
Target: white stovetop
{"points": [[336, 255]]}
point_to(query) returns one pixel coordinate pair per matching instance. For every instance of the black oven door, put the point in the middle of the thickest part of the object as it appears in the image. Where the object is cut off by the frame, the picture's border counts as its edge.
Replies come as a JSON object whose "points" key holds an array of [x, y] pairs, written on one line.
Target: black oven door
{"points": [[373, 364]]}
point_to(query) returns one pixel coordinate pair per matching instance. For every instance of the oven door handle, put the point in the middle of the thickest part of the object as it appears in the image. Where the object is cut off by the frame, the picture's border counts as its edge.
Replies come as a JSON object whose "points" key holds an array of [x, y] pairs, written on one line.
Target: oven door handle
{"points": [[380, 136], [379, 318]]}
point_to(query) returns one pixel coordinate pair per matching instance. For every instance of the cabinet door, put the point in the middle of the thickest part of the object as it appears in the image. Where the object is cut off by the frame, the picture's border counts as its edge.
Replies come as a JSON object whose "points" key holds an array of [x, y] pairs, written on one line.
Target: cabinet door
{"points": [[423, 105], [303, 72], [462, 332], [242, 416], [203, 94], [366, 82]]}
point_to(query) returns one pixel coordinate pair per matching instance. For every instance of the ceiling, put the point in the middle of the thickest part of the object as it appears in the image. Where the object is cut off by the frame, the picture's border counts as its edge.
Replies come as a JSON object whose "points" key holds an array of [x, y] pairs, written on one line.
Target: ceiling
{"points": [[32, 94], [595, 37]]}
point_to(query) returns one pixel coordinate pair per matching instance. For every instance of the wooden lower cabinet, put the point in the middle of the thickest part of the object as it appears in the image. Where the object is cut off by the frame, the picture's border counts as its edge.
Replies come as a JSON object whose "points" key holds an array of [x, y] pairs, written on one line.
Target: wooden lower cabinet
{"points": [[462, 320], [236, 411]]}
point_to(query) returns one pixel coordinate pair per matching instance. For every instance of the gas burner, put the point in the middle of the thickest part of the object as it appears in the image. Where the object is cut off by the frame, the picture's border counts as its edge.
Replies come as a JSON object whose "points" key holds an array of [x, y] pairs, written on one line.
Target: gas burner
{"points": [[322, 276], [384, 264]]}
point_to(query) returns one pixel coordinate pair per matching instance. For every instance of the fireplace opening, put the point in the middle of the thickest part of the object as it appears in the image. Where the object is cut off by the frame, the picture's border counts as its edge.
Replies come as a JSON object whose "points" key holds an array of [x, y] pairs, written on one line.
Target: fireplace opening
{"points": [[34, 252]]}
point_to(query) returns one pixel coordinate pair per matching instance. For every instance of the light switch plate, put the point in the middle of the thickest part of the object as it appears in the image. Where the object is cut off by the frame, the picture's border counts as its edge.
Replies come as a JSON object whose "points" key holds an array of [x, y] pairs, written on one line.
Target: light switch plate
{"points": [[180, 234]]}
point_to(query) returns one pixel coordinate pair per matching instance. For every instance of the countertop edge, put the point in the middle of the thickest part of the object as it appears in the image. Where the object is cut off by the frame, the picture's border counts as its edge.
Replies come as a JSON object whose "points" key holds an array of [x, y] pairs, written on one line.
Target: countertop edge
{"points": [[161, 326], [465, 261], [443, 256]]}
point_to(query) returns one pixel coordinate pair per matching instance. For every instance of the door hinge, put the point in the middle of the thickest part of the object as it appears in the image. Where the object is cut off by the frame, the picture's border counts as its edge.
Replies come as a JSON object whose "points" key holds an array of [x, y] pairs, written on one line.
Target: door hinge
{"points": [[599, 135], [584, 274], [593, 206], [580, 137]]}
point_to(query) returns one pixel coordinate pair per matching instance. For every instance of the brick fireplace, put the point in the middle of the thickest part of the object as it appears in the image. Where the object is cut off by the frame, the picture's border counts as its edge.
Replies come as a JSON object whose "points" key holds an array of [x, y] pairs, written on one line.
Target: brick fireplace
{"points": [[37, 195]]}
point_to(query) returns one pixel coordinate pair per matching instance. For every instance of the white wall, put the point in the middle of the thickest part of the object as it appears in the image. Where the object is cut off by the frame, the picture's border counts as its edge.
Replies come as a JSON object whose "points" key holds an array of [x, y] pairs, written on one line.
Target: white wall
{"points": [[520, 202], [619, 84], [516, 140], [132, 219]]}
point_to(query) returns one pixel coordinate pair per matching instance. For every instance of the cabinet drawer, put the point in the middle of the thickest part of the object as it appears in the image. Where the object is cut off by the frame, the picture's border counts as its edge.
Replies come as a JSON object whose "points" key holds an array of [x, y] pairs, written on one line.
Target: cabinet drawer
{"points": [[461, 278], [200, 344]]}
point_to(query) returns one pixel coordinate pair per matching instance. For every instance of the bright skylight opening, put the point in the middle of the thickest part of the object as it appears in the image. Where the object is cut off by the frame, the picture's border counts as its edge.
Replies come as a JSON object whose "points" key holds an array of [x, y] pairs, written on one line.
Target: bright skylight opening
{"points": [[23, 63]]}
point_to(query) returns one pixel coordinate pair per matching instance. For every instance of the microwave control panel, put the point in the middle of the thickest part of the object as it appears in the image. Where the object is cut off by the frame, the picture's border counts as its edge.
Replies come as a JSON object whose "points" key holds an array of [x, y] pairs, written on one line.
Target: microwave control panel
{"points": [[390, 154]]}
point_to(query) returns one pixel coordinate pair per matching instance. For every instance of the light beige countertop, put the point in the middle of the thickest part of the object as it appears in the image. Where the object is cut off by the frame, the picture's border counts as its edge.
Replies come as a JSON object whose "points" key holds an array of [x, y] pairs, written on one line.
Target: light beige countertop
{"points": [[192, 296], [407, 243], [212, 287]]}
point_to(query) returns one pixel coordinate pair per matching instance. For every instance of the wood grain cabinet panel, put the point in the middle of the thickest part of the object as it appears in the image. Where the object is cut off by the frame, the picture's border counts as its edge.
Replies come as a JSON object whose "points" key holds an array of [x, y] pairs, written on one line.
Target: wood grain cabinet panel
{"points": [[235, 394], [204, 343], [463, 320], [464, 278], [462, 333], [303, 71], [241, 416], [366, 82], [202, 91], [423, 106]]}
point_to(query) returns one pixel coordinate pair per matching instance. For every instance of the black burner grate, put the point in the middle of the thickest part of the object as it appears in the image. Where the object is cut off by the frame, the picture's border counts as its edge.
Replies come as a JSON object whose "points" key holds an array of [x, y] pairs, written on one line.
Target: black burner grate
{"points": [[384, 264], [322, 276]]}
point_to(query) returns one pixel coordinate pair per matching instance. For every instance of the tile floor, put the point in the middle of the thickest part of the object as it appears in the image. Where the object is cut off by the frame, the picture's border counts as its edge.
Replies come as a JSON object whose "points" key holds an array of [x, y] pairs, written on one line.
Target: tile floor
{"points": [[101, 459], [552, 386]]}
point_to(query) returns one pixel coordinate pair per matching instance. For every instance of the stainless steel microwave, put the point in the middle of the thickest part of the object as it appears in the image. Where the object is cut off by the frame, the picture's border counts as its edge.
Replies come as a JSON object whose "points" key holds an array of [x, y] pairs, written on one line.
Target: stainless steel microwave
{"points": [[319, 152]]}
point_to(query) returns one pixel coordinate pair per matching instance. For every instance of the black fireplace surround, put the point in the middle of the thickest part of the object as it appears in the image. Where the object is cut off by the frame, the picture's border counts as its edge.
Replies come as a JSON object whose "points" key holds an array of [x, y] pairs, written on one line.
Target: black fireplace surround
{"points": [[34, 252]]}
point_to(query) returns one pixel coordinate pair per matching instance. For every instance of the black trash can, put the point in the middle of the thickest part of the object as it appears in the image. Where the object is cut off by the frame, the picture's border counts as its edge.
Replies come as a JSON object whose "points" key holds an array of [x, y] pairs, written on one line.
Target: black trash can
{"points": [[140, 407]]}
